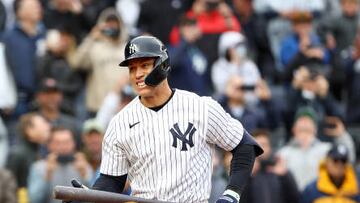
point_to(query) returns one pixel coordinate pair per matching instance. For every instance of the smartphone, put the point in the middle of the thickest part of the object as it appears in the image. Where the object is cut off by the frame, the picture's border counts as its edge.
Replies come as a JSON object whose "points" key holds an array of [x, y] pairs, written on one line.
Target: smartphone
{"points": [[64, 159]]}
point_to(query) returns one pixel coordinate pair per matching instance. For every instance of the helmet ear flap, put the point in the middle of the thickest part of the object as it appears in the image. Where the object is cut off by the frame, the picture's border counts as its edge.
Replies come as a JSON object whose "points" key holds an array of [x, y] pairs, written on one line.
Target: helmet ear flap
{"points": [[159, 73]]}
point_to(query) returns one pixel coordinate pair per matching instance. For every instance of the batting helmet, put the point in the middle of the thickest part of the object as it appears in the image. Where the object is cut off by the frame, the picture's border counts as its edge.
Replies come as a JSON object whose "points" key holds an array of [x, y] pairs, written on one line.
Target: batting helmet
{"points": [[149, 47]]}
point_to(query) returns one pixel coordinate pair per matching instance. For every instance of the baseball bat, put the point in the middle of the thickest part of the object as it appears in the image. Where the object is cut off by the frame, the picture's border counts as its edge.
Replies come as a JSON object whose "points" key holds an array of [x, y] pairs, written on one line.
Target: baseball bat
{"points": [[88, 195]]}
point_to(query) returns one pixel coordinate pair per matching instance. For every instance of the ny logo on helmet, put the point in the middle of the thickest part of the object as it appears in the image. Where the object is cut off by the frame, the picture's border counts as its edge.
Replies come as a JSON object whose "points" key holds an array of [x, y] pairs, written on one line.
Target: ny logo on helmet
{"points": [[178, 135], [132, 49]]}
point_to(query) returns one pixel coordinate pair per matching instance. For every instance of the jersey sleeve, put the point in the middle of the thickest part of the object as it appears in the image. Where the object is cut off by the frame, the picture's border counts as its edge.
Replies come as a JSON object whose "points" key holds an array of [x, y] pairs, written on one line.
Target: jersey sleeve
{"points": [[222, 129], [114, 161]]}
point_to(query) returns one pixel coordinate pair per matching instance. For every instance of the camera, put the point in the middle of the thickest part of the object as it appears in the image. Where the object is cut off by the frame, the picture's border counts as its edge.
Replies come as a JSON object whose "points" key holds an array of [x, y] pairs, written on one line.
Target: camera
{"points": [[247, 87], [64, 159], [271, 161]]}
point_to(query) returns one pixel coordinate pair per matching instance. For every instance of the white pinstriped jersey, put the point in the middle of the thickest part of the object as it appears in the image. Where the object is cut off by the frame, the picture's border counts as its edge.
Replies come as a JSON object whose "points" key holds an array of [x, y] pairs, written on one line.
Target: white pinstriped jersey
{"points": [[167, 153]]}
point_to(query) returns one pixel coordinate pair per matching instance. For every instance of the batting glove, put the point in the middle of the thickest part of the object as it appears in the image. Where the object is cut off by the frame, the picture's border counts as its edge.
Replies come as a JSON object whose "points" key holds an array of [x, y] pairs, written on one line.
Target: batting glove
{"points": [[229, 196]]}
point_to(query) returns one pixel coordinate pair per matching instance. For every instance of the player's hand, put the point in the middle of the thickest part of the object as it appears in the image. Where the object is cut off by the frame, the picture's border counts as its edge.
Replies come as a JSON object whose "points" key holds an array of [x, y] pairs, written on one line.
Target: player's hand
{"points": [[229, 196]]}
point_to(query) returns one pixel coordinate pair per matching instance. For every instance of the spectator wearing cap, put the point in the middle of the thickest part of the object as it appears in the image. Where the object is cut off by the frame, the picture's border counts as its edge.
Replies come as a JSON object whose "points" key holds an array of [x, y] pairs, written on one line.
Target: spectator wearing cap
{"points": [[304, 152], [92, 136], [48, 101], [337, 180]]}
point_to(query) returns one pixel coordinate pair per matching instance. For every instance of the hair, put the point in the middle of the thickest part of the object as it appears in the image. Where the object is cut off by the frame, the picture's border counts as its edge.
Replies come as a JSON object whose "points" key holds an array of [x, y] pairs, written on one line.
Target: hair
{"points": [[301, 17], [260, 132], [355, 1], [186, 20], [112, 17], [56, 129], [26, 121], [16, 5]]}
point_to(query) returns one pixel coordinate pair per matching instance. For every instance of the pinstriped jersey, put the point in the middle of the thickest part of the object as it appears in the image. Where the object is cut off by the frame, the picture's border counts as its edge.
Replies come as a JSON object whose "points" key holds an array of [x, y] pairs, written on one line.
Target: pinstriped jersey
{"points": [[167, 153]]}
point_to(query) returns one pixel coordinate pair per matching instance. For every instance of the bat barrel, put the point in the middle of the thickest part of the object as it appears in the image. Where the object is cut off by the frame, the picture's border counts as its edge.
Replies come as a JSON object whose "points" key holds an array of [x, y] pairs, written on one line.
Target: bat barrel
{"points": [[88, 195]]}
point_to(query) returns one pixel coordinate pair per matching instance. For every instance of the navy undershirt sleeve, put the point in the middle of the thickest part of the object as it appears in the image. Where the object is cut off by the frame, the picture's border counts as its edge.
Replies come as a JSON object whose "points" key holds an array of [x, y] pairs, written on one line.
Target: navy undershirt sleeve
{"points": [[242, 163], [110, 183]]}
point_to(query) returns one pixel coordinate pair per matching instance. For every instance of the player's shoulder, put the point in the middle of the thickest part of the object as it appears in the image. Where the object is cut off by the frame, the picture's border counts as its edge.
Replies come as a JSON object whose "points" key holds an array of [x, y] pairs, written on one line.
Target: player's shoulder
{"points": [[185, 93], [204, 99]]}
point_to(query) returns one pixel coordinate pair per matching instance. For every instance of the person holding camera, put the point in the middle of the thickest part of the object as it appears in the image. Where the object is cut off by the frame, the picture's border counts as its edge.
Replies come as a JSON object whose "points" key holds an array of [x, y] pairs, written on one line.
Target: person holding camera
{"points": [[305, 151], [310, 88], [263, 115], [303, 45], [97, 54], [62, 164]]}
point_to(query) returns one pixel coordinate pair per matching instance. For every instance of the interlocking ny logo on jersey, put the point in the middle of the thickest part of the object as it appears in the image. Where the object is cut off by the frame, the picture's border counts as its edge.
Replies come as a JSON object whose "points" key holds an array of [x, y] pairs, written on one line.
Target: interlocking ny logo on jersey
{"points": [[132, 48], [177, 134]]}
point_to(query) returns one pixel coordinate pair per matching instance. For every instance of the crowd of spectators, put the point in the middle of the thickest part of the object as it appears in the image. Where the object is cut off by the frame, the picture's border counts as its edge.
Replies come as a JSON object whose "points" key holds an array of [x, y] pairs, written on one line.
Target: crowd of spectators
{"points": [[288, 70]]}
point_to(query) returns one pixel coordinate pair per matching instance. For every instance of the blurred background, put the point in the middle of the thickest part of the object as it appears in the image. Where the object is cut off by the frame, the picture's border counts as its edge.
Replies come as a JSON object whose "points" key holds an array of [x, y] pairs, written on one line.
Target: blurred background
{"points": [[288, 70]]}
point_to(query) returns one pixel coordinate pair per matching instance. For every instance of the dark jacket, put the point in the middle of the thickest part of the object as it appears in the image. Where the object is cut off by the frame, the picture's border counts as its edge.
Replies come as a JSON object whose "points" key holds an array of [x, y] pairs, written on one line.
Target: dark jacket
{"points": [[21, 53], [68, 80], [264, 115], [353, 87], [266, 187], [189, 69], [20, 159], [2, 17], [323, 107]]}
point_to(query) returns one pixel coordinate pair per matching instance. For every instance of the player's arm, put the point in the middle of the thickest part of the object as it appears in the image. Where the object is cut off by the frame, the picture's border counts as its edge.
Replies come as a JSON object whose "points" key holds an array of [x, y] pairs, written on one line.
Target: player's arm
{"points": [[229, 134], [114, 164], [242, 162], [110, 183]]}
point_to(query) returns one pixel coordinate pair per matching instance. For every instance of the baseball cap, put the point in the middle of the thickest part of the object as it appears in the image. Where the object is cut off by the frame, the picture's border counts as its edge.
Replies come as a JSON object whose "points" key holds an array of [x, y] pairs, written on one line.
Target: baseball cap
{"points": [[339, 152], [307, 111], [48, 84], [92, 125]]}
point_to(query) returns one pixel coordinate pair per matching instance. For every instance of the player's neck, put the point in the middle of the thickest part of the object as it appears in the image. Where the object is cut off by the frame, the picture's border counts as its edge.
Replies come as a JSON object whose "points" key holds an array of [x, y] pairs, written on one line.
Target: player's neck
{"points": [[161, 95]]}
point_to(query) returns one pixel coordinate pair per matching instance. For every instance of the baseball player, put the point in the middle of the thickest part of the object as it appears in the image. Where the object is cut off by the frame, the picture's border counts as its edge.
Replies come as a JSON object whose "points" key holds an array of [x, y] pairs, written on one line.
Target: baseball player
{"points": [[162, 141]]}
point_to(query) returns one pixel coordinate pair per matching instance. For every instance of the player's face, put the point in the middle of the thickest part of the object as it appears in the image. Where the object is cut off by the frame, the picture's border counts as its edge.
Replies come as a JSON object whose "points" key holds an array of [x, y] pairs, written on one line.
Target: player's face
{"points": [[139, 69]]}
